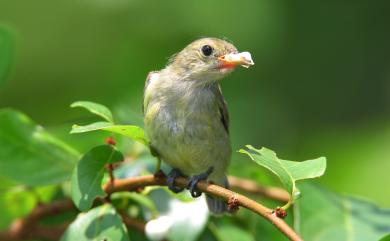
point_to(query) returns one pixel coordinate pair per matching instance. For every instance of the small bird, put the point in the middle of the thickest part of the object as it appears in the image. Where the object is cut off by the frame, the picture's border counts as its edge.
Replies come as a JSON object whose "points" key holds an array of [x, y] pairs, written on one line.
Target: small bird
{"points": [[186, 117]]}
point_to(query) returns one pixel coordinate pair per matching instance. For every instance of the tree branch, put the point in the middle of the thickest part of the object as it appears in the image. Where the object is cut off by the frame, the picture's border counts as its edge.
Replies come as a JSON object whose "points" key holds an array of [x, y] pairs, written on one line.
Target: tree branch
{"points": [[28, 227], [233, 198], [250, 186]]}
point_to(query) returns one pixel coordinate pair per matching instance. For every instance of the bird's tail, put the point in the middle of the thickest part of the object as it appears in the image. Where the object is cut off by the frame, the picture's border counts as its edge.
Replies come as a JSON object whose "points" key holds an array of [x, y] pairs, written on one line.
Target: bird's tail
{"points": [[218, 206]]}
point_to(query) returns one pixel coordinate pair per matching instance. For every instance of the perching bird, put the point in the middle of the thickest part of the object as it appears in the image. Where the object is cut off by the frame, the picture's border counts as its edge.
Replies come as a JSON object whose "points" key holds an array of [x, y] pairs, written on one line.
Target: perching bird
{"points": [[186, 117]]}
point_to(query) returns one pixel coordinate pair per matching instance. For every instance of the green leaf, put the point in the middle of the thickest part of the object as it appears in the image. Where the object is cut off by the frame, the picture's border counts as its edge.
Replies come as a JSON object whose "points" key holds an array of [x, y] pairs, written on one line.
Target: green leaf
{"points": [[87, 177], [231, 232], [138, 198], [6, 184], [288, 171], [95, 108], [385, 238], [15, 204], [91, 127], [6, 50], [207, 235], [323, 215], [133, 132], [46, 194], [100, 223], [30, 155]]}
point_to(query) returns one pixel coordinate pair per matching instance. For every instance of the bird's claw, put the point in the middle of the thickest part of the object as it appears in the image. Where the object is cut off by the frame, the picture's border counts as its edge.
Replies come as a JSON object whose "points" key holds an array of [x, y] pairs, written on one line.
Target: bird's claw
{"points": [[191, 186], [172, 175]]}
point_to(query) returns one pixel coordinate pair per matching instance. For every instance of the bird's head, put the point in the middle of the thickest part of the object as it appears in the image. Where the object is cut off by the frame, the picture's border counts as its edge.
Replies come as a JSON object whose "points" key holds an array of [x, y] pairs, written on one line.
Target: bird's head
{"points": [[209, 59]]}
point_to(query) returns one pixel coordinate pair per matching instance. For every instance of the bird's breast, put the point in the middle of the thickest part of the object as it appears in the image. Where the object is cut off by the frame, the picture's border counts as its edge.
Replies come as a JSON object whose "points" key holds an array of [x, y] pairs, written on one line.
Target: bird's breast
{"points": [[186, 130], [187, 115]]}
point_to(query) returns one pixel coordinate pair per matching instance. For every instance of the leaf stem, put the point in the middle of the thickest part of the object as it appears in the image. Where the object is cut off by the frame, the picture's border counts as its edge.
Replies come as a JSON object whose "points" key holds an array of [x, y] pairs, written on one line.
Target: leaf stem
{"points": [[287, 205], [158, 165]]}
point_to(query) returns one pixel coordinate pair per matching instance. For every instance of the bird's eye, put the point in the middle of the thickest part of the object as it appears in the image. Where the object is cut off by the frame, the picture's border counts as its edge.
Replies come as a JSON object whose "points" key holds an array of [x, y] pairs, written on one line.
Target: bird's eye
{"points": [[207, 50]]}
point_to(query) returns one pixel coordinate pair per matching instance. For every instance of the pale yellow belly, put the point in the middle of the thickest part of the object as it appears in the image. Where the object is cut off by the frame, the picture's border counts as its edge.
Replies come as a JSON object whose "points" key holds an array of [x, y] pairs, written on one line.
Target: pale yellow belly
{"points": [[191, 144]]}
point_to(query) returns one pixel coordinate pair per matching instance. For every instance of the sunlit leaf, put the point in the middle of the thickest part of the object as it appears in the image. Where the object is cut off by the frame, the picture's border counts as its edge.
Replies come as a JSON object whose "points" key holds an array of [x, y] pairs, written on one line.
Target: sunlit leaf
{"points": [[133, 132], [95, 108], [45, 194], [87, 177], [91, 127], [6, 52], [288, 171], [100, 223], [30, 155], [15, 204], [385, 238]]}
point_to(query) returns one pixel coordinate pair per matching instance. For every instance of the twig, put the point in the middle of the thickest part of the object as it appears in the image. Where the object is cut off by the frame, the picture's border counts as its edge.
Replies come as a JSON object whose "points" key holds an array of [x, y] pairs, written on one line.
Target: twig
{"points": [[249, 186], [135, 183], [110, 170]]}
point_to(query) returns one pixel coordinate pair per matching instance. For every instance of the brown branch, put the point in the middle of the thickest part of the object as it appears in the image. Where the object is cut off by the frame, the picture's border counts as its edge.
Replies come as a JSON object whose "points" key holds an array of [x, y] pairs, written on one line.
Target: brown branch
{"points": [[48, 233], [137, 224], [250, 186], [28, 227], [135, 183], [53, 232]]}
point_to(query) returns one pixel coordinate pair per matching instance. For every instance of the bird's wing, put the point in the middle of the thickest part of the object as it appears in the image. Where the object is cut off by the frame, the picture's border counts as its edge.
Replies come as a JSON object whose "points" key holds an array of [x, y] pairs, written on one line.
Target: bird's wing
{"points": [[222, 108], [151, 76]]}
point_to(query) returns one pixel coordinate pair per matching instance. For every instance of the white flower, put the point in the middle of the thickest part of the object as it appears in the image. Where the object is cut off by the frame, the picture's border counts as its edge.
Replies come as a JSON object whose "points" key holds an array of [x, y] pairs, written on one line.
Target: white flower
{"points": [[182, 221], [157, 229]]}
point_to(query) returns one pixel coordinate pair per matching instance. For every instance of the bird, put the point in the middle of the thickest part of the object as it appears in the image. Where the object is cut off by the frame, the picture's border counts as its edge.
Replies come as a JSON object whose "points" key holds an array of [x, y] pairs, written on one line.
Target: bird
{"points": [[186, 116]]}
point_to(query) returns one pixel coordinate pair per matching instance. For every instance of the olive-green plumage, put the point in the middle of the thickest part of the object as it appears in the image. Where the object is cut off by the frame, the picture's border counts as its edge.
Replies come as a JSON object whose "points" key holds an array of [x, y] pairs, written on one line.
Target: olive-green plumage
{"points": [[185, 113]]}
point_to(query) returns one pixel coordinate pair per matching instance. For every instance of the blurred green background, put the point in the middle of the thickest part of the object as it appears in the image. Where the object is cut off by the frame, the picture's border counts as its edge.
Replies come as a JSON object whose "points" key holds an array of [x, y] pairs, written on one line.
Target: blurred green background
{"points": [[320, 86]]}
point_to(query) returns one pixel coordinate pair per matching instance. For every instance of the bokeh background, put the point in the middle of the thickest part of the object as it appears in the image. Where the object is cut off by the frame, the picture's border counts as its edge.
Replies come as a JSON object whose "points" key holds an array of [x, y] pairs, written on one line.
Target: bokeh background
{"points": [[320, 86]]}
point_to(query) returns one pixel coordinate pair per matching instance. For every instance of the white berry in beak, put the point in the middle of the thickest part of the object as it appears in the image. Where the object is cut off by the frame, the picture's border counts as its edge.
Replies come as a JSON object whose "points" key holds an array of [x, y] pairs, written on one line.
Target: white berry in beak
{"points": [[231, 60]]}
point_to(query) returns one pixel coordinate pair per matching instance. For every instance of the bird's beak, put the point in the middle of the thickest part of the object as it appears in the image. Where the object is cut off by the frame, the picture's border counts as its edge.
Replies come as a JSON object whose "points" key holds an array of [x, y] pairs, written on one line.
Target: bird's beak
{"points": [[233, 59]]}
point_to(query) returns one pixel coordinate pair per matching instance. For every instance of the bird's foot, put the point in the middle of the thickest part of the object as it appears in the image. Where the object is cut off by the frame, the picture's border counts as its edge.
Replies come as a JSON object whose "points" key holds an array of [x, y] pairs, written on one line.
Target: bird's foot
{"points": [[194, 181], [172, 175]]}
